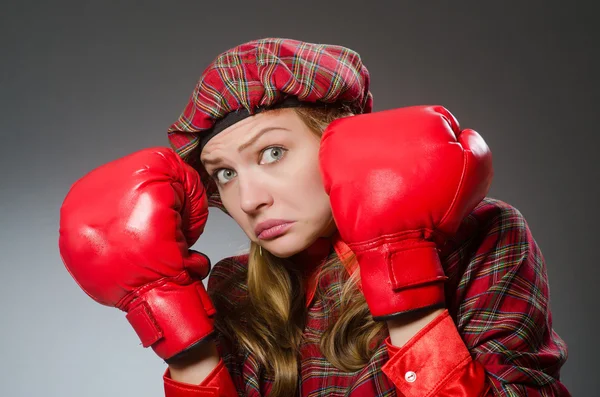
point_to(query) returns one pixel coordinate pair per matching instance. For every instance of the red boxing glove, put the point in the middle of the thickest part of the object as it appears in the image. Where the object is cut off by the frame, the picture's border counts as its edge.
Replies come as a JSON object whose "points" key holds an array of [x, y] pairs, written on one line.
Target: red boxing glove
{"points": [[125, 232], [400, 182]]}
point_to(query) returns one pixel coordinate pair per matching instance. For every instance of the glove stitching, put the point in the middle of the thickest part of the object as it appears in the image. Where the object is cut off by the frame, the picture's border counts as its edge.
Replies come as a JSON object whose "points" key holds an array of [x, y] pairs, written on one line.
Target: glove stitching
{"points": [[394, 237], [131, 297], [459, 187], [419, 246]]}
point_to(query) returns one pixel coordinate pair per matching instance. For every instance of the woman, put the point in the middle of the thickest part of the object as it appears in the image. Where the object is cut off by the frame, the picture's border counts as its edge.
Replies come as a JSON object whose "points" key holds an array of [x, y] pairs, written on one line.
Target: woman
{"points": [[376, 267]]}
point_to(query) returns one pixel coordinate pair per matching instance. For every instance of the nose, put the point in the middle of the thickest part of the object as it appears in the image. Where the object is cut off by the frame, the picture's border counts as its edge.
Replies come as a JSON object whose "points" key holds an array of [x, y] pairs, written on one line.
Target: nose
{"points": [[253, 194]]}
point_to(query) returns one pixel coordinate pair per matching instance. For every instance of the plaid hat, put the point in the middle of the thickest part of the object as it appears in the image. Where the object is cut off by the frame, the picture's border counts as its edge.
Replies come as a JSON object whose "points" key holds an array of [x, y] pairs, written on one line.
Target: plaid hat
{"points": [[266, 74]]}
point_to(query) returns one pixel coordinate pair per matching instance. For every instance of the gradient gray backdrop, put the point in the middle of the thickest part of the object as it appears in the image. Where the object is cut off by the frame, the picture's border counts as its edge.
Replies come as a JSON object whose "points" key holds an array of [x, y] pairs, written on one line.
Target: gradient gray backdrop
{"points": [[85, 82]]}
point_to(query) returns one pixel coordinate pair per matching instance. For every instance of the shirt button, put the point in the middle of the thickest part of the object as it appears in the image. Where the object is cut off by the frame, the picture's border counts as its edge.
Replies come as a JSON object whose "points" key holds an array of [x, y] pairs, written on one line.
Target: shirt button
{"points": [[410, 376]]}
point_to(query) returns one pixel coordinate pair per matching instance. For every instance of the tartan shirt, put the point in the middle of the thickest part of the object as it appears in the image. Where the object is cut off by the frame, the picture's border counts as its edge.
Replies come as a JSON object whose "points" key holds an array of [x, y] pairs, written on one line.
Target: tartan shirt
{"points": [[494, 339]]}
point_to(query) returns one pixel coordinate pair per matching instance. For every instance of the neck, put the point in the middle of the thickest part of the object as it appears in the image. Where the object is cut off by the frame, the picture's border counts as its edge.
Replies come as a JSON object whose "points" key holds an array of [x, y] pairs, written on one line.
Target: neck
{"points": [[310, 259]]}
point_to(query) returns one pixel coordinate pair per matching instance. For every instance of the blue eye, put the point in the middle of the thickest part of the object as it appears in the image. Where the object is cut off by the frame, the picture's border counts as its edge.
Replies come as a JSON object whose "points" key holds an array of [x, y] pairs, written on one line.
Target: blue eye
{"points": [[277, 153], [275, 149], [215, 174]]}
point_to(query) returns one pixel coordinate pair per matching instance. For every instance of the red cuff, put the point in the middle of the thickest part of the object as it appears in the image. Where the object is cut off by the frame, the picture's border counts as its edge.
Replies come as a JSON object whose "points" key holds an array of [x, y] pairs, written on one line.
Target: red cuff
{"points": [[218, 383], [435, 362]]}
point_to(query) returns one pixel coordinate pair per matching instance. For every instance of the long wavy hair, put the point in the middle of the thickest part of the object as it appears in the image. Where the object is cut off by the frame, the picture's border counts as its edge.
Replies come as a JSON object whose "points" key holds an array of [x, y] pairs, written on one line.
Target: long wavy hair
{"points": [[269, 323]]}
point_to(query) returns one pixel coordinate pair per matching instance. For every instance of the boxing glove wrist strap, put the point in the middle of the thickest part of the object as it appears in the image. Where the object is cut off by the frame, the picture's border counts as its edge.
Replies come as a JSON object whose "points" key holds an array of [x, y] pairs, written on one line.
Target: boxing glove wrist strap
{"points": [[401, 277], [171, 318]]}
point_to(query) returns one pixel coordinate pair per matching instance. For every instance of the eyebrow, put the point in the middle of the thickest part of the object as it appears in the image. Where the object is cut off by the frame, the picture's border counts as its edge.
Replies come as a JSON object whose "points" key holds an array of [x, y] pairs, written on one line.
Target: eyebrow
{"points": [[249, 143]]}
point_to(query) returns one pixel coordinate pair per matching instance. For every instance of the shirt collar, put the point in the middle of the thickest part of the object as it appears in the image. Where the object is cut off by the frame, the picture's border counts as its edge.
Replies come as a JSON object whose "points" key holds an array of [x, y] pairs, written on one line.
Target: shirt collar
{"points": [[320, 252]]}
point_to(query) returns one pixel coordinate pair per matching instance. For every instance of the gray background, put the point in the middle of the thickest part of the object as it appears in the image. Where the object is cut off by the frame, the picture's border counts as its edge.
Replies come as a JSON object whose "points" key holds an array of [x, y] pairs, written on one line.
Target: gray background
{"points": [[85, 82]]}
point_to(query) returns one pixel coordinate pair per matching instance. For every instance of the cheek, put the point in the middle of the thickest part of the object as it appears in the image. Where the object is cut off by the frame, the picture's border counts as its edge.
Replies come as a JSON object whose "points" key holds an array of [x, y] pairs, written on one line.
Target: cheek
{"points": [[312, 175], [308, 186]]}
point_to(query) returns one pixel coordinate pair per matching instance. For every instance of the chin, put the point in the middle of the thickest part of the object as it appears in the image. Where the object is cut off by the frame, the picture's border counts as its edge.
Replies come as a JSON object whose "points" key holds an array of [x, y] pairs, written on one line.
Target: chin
{"points": [[285, 246]]}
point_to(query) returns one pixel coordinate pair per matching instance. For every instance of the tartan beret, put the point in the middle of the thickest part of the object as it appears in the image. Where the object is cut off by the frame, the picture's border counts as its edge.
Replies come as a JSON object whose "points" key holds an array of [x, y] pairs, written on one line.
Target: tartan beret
{"points": [[261, 75]]}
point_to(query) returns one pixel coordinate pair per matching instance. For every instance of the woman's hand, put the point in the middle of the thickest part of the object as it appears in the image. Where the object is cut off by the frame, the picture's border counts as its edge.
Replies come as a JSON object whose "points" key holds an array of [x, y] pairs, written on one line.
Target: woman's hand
{"points": [[125, 232], [400, 182]]}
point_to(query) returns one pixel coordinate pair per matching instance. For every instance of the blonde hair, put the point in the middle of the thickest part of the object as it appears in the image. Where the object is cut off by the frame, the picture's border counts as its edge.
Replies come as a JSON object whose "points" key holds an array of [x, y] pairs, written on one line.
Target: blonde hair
{"points": [[269, 324]]}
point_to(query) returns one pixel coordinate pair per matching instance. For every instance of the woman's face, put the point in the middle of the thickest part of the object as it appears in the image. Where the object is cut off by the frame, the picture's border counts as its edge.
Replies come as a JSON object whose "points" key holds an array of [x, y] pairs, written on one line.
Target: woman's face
{"points": [[267, 168]]}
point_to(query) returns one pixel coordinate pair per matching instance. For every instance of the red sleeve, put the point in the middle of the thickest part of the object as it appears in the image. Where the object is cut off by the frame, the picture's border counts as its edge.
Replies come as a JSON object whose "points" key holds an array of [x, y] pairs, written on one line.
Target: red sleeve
{"points": [[218, 383], [435, 362], [498, 340]]}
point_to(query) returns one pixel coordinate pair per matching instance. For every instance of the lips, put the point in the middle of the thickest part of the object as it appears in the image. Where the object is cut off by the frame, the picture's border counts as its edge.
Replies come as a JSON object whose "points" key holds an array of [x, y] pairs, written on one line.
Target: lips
{"points": [[269, 224]]}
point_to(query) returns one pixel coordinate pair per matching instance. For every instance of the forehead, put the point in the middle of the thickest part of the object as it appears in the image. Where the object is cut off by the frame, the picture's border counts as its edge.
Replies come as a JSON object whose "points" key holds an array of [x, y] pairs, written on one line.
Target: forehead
{"points": [[240, 132]]}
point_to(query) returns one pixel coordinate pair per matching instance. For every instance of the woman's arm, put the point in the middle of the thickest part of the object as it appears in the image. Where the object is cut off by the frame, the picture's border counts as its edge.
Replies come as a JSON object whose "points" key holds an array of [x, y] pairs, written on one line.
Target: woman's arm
{"points": [[503, 333], [195, 369], [203, 374], [405, 328]]}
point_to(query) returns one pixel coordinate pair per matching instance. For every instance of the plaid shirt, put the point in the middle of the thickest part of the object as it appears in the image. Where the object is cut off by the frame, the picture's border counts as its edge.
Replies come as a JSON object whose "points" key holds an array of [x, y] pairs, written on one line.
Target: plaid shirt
{"points": [[497, 298]]}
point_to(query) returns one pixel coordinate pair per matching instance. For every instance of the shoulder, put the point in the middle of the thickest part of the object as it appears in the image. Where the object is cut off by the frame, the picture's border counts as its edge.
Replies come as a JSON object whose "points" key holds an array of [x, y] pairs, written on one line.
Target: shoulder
{"points": [[494, 239], [495, 211], [493, 245], [228, 290], [492, 219], [228, 278]]}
